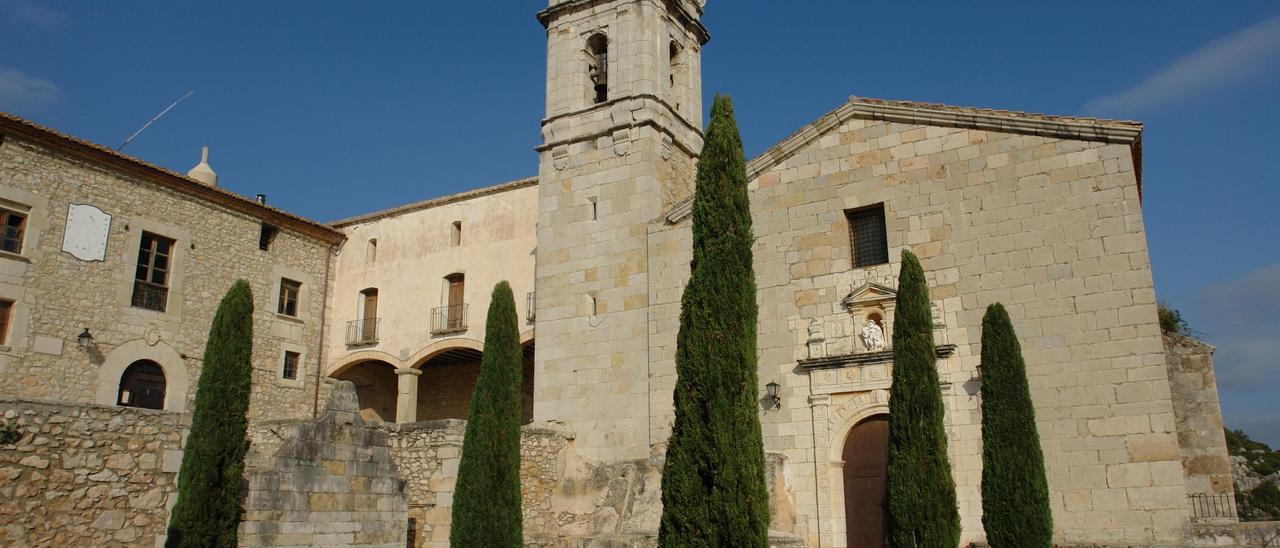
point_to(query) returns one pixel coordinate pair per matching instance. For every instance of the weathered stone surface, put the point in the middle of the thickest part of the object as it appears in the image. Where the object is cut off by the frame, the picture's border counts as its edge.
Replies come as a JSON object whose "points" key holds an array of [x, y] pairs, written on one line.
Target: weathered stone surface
{"points": [[62, 493]]}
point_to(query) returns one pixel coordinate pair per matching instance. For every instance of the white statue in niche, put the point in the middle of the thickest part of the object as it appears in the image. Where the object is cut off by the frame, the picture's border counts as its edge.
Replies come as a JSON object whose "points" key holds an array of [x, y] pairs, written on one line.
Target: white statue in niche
{"points": [[872, 335]]}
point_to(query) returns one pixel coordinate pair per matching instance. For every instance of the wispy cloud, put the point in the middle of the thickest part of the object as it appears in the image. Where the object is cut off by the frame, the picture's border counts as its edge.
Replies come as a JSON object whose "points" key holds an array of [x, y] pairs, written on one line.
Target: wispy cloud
{"points": [[19, 91], [1234, 59], [31, 14], [1242, 318]]}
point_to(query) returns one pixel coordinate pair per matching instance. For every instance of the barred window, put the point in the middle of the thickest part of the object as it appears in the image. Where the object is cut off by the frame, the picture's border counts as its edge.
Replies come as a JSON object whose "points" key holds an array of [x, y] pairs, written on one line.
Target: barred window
{"points": [[289, 291], [291, 360], [868, 239], [12, 225]]}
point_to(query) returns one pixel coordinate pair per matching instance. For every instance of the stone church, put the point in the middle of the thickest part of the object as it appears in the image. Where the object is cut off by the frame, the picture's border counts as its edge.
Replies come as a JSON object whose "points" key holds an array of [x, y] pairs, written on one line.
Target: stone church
{"points": [[368, 331]]}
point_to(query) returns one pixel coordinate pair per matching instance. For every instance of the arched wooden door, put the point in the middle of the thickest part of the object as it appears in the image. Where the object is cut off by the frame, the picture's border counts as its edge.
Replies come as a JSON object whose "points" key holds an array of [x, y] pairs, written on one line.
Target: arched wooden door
{"points": [[866, 454]]}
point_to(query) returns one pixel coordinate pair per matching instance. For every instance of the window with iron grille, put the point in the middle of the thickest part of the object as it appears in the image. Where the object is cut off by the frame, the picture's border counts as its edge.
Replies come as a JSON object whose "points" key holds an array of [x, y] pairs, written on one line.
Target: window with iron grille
{"points": [[6, 308], [151, 279], [13, 224], [289, 291], [868, 239], [291, 360]]}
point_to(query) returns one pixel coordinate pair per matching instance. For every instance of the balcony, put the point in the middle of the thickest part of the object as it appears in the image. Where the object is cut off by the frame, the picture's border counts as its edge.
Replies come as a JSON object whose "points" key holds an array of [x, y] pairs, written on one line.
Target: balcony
{"points": [[449, 319], [530, 305], [362, 332], [149, 296]]}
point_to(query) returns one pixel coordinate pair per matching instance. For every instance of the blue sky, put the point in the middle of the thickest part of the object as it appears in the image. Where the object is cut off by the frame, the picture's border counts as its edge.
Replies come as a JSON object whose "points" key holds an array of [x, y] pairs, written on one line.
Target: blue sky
{"points": [[334, 109]]}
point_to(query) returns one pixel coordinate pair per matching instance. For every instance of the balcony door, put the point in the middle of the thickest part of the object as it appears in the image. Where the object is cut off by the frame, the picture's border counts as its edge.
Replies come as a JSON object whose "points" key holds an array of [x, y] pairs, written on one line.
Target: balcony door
{"points": [[369, 315], [455, 303]]}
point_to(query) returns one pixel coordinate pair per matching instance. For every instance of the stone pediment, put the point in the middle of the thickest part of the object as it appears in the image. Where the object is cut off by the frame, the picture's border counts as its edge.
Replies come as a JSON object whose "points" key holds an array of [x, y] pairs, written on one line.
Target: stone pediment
{"points": [[870, 293]]}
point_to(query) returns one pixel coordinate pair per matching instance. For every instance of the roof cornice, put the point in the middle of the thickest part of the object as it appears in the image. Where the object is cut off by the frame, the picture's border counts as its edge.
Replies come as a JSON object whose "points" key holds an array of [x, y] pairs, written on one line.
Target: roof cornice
{"points": [[436, 202], [103, 156], [677, 9], [931, 114]]}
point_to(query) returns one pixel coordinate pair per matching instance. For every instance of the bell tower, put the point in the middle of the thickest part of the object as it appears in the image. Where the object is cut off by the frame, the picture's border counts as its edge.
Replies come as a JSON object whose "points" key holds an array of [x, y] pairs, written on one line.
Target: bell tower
{"points": [[621, 136]]}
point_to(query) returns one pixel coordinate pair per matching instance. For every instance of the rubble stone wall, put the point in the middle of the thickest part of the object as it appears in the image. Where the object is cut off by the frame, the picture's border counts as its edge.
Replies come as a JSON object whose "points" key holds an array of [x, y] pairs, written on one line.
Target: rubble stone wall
{"points": [[566, 500], [83, 475]]}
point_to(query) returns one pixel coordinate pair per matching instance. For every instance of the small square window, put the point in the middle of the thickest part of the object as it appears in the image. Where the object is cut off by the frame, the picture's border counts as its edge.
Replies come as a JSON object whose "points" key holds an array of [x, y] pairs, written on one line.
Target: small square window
{"points": [[868, 239], [291, 362], [289, 291], [6, 309], [12, 227], [267, 235]]}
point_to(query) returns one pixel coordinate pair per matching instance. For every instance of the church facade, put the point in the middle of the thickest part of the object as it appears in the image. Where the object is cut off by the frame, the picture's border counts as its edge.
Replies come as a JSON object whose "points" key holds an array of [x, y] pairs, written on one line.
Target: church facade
{"points": [[1041, 213]]}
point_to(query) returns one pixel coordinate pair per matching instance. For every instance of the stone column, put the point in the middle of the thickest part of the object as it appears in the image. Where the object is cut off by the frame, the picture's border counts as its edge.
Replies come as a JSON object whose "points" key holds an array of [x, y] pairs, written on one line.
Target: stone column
{"points": [[819, 405], [407, 398]]}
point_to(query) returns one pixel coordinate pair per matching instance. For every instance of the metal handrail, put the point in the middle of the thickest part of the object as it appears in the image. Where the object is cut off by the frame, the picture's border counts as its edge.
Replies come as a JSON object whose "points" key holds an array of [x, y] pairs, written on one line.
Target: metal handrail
{"points": [[449, 319], [364, 331]]}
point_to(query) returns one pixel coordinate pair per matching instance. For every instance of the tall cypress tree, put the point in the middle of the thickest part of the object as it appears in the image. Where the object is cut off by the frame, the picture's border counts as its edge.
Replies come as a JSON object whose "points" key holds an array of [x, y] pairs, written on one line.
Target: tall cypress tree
{"points": [[713, 486], [486, 502], [211, 479], [921, 509], [1015, 495]]}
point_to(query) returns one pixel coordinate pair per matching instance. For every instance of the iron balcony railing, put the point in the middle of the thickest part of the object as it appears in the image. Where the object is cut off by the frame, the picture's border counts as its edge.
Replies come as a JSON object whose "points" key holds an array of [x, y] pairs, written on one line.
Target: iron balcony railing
{"points": [[449, 319], [530, 305], [149, 296], [362, 331], [1215, 505]]}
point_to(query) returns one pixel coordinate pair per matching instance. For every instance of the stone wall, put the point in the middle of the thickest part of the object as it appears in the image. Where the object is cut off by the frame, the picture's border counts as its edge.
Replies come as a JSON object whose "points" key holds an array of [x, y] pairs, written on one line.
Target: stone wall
{"points": [[327, 482], [1201, 440], [1046, 222], [85, 475], [58, 295], [566, 500]]}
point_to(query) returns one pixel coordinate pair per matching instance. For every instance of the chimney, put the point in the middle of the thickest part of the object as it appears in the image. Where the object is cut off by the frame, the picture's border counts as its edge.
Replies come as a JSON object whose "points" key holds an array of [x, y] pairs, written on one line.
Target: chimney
{"points": [[202, 172]]}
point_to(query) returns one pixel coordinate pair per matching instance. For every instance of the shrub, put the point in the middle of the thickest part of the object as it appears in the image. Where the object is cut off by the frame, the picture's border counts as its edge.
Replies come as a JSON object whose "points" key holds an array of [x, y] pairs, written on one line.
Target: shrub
{"points": [[486, 502], [921, 507], [1015, 494], [713, 488], [211, 479]]}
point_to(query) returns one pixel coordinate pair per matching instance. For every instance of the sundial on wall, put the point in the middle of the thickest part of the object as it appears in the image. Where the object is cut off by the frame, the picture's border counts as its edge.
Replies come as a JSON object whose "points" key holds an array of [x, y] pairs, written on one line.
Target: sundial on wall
{"points": [[86, 235]]}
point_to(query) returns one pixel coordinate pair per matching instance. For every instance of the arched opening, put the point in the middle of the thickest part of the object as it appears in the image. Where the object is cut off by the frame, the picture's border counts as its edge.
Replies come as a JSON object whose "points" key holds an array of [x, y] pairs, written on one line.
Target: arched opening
{"points": [[598, 67], [376, 389], [676, 74], [866, 457], [449, 379], [142, 385]]}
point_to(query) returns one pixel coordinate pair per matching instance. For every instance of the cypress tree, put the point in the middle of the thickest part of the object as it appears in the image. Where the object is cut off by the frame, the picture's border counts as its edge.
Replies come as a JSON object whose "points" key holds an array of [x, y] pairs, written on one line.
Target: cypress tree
{"points": [[921, 509], [713, 487], [1015, 495], [211, 479], [486, 502]]}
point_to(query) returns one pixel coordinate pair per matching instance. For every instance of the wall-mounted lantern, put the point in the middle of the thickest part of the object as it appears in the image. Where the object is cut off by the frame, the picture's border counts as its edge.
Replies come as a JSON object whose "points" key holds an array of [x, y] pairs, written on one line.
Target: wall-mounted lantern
{"points": [[85, 339], [771, 391]]}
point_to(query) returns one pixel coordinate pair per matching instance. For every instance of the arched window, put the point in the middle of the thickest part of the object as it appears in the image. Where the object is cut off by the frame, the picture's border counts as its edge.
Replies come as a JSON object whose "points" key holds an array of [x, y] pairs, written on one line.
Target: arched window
{"points": [[142, 385], [598, 67]]}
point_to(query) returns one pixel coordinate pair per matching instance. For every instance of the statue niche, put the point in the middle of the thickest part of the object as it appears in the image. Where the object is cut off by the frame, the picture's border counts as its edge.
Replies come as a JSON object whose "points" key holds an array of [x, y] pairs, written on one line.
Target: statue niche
{"points": [[871, 307]]}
